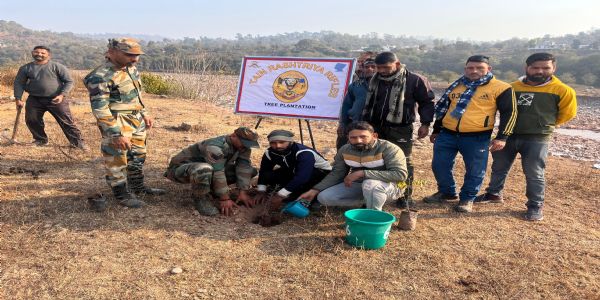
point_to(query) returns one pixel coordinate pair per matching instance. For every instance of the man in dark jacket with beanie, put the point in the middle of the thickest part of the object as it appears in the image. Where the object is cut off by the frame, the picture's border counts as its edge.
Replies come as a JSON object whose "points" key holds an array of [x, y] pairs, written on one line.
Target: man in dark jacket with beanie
{"points": [[394, 95], [293, 167]]}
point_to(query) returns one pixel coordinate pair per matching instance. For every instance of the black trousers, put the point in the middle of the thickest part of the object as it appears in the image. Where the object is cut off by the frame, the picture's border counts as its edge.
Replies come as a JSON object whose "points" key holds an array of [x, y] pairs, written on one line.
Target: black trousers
{"points": [[36, 107], [401, 136]]}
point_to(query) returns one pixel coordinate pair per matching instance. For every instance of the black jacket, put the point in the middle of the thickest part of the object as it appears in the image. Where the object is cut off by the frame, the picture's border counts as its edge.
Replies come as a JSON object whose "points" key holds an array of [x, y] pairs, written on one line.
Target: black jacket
{"points": [[418, 91]]}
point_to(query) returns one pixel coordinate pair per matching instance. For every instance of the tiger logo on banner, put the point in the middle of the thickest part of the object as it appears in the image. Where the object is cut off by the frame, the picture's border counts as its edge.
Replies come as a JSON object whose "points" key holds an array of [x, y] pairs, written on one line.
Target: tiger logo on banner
{"points": [[290, 86], [279, 86]]}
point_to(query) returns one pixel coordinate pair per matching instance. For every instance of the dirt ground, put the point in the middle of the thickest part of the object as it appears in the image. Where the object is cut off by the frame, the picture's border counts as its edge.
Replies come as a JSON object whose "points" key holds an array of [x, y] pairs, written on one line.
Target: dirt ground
{"points": [[53, 247]]}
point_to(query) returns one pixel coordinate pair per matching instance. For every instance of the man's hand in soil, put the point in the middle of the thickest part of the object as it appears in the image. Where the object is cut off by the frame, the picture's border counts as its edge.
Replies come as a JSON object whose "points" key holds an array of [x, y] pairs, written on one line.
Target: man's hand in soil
{"points": [[246, 199], [227, 206], [276, 201], [260, 197], [310, 195]]}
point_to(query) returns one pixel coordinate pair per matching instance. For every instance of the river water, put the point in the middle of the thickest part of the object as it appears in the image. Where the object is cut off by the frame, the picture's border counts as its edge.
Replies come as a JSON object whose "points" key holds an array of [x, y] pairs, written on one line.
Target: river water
{"points": [[582, 133], [580, 138]]}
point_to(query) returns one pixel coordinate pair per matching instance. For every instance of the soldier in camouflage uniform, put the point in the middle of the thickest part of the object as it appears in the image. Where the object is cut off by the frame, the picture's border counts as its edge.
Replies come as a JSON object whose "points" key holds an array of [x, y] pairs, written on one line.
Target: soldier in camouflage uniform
{"points": [[213, 164], [115, 96]]}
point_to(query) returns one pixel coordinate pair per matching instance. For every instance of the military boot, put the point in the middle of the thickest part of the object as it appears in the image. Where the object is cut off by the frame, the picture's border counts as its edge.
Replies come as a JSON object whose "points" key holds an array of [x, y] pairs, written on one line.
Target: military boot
{"points": [[204, 206], [97, 202], [135, 181], [126, 198]]}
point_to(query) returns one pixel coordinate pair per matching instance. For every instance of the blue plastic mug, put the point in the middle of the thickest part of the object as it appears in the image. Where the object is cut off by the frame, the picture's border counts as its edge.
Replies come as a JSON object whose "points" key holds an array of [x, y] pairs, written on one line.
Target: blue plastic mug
{"points": [[296, 208]]}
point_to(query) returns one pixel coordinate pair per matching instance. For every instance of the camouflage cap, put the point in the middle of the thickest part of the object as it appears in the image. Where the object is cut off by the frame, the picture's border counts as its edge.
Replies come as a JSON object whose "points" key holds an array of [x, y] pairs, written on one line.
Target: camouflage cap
{"points": [[127, 45], [247, 136]]}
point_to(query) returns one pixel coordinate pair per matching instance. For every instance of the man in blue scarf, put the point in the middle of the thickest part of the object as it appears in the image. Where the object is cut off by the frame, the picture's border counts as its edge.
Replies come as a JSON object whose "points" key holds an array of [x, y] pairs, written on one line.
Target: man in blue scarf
{"points": [[465, 117]]}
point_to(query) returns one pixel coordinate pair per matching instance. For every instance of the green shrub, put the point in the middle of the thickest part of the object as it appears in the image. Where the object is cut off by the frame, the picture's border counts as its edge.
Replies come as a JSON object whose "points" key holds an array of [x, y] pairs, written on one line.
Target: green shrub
{"points": [[155, 84]]}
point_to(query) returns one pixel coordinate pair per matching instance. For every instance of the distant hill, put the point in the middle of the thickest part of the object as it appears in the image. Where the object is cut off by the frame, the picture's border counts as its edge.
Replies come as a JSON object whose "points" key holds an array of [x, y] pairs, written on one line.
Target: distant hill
{"points": [[17, 41], [441, 60], [106, 36]]}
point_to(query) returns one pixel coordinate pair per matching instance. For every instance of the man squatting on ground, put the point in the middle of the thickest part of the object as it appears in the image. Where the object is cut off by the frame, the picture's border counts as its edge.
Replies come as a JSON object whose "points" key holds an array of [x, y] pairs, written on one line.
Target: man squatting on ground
{"points": [[393, 97], [543, 102], [115, 96], [293, 167], [213, 164], [367, 170], [465, 117], [47, 83]]}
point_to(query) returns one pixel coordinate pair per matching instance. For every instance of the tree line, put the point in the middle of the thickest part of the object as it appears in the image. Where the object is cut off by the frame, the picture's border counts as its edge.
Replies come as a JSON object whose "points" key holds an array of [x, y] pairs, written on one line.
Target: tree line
{"points": [[441, 60]]}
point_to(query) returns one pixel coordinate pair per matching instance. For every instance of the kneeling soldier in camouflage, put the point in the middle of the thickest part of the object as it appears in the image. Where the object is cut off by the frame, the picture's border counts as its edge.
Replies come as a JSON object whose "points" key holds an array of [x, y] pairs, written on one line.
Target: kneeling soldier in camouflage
{"points": [[213, 164]]}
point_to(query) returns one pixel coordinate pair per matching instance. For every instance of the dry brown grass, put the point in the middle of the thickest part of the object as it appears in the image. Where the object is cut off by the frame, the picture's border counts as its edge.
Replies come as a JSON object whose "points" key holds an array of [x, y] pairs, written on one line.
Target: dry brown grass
{"points": [[53, 247], [7, 77], [213, 88]]}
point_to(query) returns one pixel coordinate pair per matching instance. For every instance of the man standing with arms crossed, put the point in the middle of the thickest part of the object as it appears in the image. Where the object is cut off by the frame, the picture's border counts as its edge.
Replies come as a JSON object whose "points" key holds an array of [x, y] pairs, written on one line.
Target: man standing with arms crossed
{"points": [[47, 83], [115, 95], [543, 102]]}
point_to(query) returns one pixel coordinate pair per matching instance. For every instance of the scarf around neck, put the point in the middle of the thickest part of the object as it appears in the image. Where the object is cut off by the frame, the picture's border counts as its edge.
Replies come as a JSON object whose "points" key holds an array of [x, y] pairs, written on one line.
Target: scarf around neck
{"points": [[442, 106], [396, 103]]}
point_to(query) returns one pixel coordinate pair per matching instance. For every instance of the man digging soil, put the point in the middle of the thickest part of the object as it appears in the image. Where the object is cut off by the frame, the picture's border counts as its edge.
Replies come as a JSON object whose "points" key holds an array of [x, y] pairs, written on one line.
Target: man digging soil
{"points": [[211, 165]]}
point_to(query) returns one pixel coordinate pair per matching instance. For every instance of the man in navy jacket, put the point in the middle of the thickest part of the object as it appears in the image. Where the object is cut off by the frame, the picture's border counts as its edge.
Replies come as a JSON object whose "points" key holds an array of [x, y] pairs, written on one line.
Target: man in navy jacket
{"points": [[292, 167]]}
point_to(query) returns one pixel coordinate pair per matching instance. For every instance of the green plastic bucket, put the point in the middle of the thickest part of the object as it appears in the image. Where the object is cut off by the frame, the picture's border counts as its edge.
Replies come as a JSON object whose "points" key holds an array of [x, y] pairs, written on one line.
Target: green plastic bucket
{"points": [[368, 228]]}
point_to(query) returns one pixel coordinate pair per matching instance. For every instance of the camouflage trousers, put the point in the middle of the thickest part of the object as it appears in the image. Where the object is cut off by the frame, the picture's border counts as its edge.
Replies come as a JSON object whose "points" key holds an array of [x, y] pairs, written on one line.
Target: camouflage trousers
{"points": [[200, 175], [124, 165]]}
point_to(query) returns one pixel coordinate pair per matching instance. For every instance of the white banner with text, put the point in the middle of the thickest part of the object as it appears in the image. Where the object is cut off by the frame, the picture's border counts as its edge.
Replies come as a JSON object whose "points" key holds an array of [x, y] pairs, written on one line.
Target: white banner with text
{"points": [[306, 88]]}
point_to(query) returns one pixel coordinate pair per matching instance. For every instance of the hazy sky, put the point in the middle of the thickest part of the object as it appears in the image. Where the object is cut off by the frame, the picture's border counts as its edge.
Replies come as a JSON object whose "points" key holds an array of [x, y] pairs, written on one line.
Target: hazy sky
{"points": [[466, 19]]}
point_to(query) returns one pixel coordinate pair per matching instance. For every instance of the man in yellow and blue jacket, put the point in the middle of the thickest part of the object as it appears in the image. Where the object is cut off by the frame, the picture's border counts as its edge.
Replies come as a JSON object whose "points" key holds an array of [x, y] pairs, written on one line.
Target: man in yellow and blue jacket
{"points": [[465, 117], [543, 102]]}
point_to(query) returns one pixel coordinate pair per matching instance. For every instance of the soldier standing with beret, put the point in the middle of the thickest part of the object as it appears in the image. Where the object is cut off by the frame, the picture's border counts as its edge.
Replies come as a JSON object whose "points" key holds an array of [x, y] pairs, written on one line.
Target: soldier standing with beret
{"points": [[116, 99]]}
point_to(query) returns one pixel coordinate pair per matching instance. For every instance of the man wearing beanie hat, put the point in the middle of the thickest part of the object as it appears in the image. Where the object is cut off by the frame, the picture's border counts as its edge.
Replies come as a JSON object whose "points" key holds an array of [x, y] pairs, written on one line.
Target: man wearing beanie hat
{"points": [[116, 98], [211, 165], [293, 167], [354, 100]]}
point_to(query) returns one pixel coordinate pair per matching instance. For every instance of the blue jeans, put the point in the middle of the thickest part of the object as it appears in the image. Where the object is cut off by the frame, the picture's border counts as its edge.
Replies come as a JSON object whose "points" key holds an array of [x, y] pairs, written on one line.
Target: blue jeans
{"points": [[474, 150], [534, 151]]}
